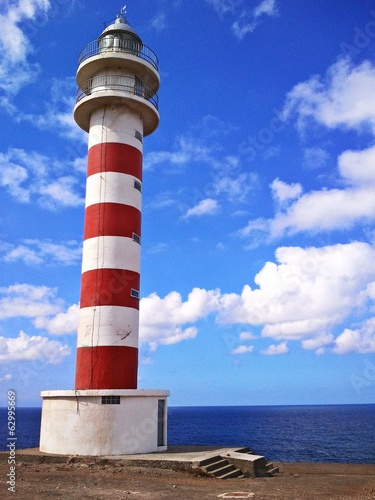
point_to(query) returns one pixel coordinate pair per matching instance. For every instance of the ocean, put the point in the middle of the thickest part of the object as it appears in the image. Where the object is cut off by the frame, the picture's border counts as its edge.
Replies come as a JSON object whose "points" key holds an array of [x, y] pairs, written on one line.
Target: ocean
{"points": [[329, 433]]}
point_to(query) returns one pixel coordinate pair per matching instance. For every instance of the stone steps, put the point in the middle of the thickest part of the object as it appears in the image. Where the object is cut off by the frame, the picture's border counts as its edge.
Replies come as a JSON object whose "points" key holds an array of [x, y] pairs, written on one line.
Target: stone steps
{"points": [[219, 467], [270, 469], [230, 465]]}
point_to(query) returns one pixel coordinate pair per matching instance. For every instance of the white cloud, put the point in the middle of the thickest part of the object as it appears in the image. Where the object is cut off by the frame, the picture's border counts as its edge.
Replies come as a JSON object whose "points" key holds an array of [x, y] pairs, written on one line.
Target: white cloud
{"points": [[204, 207], [326, 210], [188, 149], [317, 211], [243, 349], [246, 19], [361, 340], [37, 252], [344, 98], [267, 7], [306, 293], [303, 296], [235, 188], [276, 349], [15, 70], [161, 319], [199, 145], [315, 157], [58, 114], [159, 22], [358, 167], [26, 348], [28, 175], [28, 301], [318, 342], [61, 324], [202, 145], [247, 336], [283, 192], [223, 6], [6, 378], [39, 304]]}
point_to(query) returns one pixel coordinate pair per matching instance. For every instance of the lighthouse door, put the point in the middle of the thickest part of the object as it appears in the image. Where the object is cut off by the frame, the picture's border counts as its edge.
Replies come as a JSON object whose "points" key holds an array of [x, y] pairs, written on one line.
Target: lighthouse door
{"points": [[161, 414]]}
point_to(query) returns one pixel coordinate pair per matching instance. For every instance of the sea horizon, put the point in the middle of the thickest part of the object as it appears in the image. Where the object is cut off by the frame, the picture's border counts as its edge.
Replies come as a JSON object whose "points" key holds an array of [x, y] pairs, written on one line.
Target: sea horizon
{"points": [[336, 433]]}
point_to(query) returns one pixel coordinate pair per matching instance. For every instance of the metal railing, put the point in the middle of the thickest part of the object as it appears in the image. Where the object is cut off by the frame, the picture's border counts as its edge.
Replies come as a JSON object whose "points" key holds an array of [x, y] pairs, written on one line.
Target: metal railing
{"points": [[114, 44], [126, 84]]}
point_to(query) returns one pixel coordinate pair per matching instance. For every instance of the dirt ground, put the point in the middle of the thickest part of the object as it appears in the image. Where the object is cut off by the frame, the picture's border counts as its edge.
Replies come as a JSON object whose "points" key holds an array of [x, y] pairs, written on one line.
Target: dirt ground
{"points": [[101, 479]]}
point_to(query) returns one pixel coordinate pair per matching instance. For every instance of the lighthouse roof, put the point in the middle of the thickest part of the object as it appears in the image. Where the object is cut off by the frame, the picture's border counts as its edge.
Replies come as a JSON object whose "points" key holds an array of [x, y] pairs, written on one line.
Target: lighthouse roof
{"points": [[120, 24]]}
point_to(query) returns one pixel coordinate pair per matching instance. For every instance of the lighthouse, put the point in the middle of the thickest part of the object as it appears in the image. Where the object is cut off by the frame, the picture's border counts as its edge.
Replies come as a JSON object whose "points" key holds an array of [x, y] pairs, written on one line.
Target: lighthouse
{"points": [[117, 105]]}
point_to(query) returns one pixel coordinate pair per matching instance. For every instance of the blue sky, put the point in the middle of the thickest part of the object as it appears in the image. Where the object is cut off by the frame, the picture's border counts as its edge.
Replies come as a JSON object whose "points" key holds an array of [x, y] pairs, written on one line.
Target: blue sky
{"points": [[258, 239]]}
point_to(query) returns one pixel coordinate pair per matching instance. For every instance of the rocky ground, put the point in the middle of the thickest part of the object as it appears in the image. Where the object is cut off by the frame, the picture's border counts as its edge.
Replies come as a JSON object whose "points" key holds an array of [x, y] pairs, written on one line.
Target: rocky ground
{"points": [[38, 478]]}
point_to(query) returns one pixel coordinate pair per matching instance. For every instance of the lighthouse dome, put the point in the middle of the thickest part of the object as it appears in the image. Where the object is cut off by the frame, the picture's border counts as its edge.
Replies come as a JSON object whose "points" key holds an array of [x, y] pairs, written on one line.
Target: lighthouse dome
{"points": [[121, 35]]}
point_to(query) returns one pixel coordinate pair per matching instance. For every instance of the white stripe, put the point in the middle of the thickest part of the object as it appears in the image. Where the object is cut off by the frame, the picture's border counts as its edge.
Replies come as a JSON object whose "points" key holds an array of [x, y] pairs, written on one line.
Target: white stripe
{"points": [[115, 125], [113, 187], [108, 326], [111, 252]]}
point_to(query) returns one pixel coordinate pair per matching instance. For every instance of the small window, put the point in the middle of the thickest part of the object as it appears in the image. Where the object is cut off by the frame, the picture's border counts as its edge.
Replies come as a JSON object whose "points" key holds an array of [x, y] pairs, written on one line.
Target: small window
{"points": [[134, 293], [136, 238], [110, 400], [138, 136], [138, 185]]}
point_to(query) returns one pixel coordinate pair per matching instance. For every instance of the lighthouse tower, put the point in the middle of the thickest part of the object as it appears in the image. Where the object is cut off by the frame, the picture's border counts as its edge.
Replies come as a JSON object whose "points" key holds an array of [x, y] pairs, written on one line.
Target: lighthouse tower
{"points": [[117, 105]]}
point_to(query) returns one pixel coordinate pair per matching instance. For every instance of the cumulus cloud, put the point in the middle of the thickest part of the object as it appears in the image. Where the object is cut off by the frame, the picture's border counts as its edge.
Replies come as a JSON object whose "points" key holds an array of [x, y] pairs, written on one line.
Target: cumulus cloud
{"points": [[235, 187], [28, 301], [19, 19], [247, 336], [186, 150], [282, 192], [15, 69], [204, 207], [319, 342], [343, 98], [60, 324], [32, 348], [316, 211], [202, 146], [273, 349], [37, 252], [360, 340], [304, 296], [246, 19], [306, 292], [29, 176], [58, 114], [243, 349], [165, 320], [159, 22], [315, 158]]}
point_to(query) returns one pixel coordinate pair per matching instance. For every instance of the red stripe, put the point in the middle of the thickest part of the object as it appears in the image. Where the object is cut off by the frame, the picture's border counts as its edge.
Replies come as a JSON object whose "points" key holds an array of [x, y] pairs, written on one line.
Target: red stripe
{"points": [[112, 219], [106, 367], [109, 287], [114, 157]]}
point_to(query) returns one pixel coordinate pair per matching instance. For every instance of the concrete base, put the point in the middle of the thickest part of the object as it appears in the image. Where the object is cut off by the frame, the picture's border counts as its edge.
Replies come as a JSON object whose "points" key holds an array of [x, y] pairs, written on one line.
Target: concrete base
{"points": [[104, 422]]}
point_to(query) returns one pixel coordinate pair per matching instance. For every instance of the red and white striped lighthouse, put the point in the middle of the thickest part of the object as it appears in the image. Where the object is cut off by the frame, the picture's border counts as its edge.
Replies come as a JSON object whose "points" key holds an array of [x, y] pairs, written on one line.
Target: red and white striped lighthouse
{"points": [[117, 105]]}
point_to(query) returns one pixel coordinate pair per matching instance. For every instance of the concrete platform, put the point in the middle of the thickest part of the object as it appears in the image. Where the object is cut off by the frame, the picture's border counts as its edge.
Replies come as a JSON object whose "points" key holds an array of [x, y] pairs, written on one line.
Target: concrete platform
{"points": [[177, 457], [183, 454]]}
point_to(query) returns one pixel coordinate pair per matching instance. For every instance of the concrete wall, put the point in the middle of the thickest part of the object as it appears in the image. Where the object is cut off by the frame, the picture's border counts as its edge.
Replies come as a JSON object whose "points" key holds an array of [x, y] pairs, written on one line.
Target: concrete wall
{"points": [[77, 423]]}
